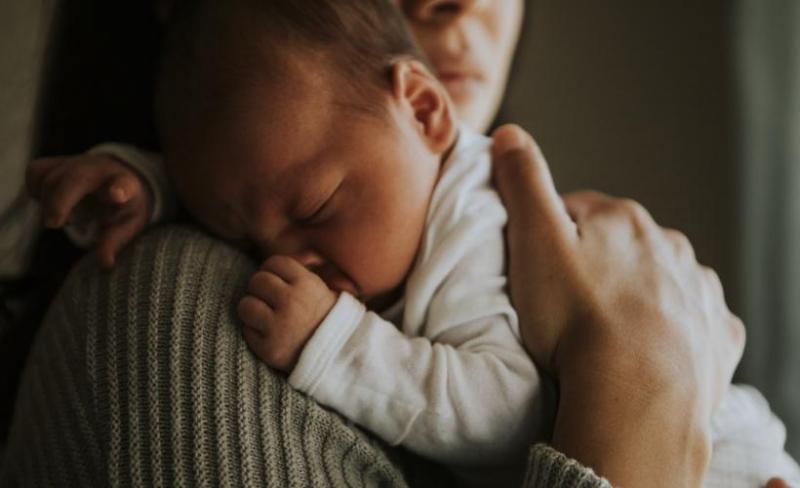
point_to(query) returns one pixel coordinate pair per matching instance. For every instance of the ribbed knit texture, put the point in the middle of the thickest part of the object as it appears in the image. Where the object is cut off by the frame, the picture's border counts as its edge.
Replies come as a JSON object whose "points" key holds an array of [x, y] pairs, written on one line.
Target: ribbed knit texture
{"points": [[552, 469], [140, 377]]}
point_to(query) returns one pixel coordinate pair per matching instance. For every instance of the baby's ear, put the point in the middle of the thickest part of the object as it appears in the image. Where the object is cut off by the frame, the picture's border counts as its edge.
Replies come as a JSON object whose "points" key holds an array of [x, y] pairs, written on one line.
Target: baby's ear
{"points": [[418, 90]]}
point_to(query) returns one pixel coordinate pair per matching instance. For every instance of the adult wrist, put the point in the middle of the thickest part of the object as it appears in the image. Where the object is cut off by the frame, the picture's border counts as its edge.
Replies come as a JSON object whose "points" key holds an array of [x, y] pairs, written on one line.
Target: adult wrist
{"points": [[658, 437]]}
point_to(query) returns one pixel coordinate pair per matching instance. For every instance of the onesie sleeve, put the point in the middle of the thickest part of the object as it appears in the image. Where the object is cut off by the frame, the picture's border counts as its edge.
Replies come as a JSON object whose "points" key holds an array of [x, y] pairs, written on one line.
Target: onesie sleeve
{"points": [[460, 390], [150, 167]]}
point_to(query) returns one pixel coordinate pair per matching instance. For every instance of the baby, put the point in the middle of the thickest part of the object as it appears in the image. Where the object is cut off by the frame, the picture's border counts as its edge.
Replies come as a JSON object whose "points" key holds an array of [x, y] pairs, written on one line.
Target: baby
{"points": [[313, 133]]}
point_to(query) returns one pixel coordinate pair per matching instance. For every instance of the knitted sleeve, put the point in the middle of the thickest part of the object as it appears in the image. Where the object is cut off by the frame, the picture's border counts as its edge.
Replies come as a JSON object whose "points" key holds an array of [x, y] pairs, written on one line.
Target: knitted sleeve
{"points": [[548, 468], [140, 377]]}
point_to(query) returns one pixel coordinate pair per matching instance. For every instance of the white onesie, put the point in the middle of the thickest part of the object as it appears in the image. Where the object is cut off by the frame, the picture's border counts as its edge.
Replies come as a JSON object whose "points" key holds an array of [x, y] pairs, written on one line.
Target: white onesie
{"points": [[443, 372]]}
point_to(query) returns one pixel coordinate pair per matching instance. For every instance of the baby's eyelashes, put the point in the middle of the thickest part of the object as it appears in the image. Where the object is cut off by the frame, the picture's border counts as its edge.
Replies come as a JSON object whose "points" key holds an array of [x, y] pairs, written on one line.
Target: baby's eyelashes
{"points": [[319, 216]]}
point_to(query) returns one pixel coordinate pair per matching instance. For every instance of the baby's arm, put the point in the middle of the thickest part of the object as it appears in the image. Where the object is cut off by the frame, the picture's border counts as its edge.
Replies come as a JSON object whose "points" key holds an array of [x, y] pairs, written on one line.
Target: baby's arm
{"points": [[463, 391], [470, 397], [104, 197]]}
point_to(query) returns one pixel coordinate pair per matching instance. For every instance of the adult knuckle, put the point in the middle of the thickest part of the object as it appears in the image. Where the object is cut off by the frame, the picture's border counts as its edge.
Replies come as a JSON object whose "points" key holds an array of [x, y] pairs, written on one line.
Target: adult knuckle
{"points": [[711, 276], [683, 247], [585, 196], [738, 331], [635, 211], [678, 237], [591, 202]]}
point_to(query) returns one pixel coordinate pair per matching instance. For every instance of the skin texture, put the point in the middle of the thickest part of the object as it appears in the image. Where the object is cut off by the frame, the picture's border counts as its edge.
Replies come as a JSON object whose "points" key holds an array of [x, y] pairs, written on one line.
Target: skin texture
{"points": [[470, 44], [626, 359], [318, 186]]}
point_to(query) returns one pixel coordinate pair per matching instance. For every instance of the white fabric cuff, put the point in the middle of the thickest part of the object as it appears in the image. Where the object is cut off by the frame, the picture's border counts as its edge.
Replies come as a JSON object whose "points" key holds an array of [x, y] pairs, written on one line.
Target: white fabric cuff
{"points": [[327, 341]]}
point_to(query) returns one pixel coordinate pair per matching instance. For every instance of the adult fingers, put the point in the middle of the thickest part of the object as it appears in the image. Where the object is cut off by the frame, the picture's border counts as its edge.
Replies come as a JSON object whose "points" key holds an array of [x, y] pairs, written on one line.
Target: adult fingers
{"points": [[526, 186], [35, 173], [63, 192], [120, 188], [118, 232], [777, 483]]}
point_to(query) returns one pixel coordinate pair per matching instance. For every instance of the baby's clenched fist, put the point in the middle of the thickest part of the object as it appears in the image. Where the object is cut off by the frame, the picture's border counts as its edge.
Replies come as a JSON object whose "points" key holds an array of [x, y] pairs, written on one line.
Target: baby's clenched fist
{"points": [[284, 305]]}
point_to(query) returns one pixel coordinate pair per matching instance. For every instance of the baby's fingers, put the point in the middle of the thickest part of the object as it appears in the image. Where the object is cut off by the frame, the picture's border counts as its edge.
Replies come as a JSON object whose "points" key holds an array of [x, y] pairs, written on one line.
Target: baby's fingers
{"points": [[255, 314], [285, 267], [270, 288]]}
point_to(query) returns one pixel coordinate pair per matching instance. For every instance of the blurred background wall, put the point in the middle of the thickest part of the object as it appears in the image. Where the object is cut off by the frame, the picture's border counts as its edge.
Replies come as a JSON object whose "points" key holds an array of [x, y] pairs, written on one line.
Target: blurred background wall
{"points": [[768, 54], [24, 27], [636, 99]]}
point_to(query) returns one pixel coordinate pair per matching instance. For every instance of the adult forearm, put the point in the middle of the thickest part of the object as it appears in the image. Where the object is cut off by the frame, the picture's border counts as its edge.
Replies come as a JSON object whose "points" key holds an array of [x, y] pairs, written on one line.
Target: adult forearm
{"points": [[631, 440]]}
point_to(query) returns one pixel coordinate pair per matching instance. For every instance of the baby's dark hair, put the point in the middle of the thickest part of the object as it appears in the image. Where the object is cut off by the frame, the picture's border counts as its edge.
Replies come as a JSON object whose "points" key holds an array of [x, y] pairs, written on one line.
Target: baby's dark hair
{"points": [[357, 40]]}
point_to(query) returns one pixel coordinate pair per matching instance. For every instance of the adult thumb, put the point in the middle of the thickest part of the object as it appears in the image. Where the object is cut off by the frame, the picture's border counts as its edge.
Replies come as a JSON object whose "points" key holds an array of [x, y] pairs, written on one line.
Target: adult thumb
{"points": [[526, 186]]}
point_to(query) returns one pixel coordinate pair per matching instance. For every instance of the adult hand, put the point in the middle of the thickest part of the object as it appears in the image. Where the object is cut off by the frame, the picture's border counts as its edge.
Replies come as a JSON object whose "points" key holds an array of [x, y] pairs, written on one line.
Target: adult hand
{"points": [[777, 483], [92, 188], [636, 332]]}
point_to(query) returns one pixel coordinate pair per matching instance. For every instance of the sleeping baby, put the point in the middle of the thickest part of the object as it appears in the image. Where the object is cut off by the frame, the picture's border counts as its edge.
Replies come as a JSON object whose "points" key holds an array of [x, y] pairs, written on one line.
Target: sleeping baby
{"points": [[316, 137]]}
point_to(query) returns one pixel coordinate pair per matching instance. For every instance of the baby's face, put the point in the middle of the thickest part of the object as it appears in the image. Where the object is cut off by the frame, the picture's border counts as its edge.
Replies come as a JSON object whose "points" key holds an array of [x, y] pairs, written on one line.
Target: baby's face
{"points": [[294, 173]]}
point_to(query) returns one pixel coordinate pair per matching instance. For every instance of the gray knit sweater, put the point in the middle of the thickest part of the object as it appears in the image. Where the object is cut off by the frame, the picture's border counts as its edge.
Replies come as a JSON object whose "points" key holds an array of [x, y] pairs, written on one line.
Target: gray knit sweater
{"points": [[140, 377]]}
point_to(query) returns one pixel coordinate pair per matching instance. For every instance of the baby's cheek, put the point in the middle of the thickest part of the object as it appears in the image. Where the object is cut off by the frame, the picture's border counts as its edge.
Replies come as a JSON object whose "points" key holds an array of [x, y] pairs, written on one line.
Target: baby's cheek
{"points": [[382, 268], [375, 250]]}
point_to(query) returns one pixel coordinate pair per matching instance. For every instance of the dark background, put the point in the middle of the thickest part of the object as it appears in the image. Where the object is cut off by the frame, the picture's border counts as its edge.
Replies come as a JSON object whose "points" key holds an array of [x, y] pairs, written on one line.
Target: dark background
{"points": [[636, 99]]}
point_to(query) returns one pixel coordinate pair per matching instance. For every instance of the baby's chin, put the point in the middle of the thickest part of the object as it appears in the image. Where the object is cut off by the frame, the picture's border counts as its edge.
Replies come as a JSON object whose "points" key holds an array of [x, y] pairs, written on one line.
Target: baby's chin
{"points": [[381, 302]]}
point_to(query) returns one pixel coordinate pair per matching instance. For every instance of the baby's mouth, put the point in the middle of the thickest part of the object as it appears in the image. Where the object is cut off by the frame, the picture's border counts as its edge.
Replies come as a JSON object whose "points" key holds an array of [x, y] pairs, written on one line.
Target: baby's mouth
{"points": [[337, 281]]}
